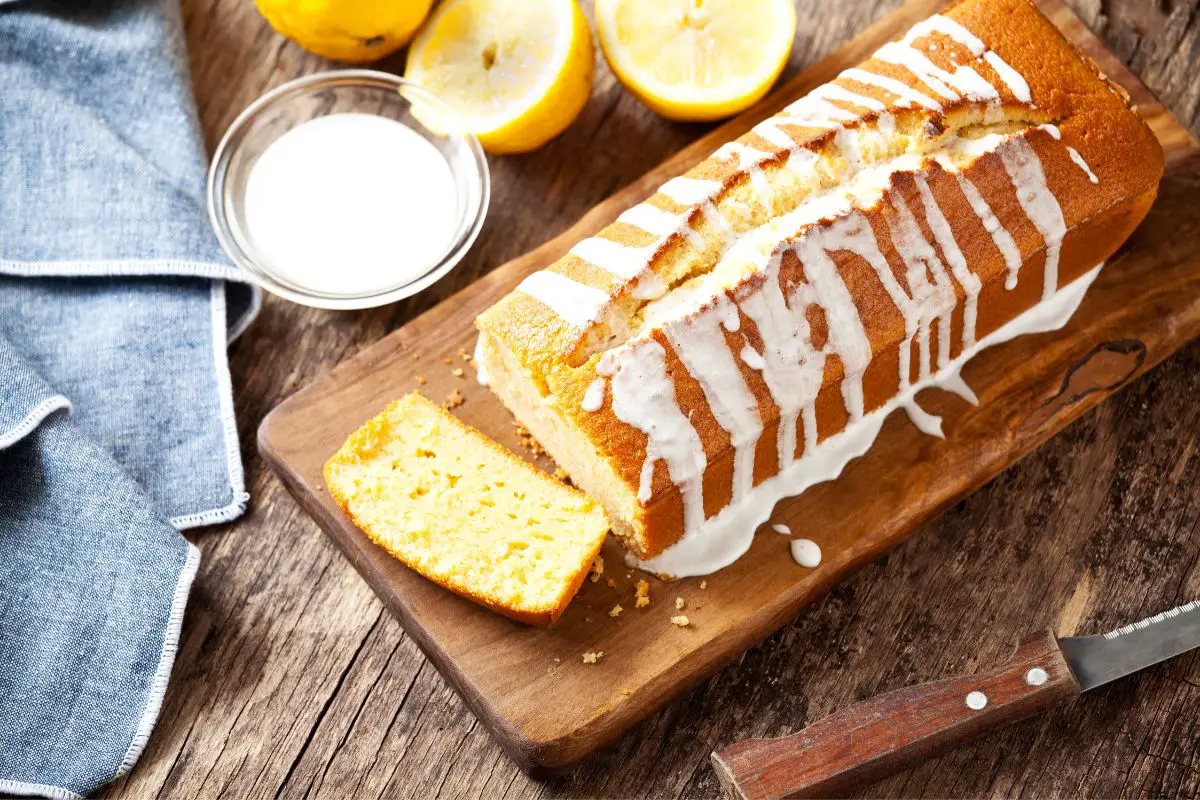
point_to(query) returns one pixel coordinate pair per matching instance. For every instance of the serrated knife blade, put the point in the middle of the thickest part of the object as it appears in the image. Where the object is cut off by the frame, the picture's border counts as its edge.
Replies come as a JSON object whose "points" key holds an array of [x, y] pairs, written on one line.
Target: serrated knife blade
{"points": [[1097, 660]]}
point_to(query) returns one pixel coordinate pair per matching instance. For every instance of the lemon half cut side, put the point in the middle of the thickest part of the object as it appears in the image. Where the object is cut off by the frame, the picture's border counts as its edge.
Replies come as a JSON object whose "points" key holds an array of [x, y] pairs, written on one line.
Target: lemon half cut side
{"points": [[516, 72], [696, 59]]}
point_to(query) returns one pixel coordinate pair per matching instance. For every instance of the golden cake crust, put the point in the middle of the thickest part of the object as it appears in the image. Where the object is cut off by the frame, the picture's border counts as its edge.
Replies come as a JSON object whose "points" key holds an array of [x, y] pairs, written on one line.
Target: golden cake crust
{"points": [[1099, 161]]}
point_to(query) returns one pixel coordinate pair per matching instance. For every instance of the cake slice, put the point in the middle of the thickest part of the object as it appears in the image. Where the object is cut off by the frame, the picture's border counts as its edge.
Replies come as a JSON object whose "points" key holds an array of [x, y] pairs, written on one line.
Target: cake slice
{"points": [[464, 512]]}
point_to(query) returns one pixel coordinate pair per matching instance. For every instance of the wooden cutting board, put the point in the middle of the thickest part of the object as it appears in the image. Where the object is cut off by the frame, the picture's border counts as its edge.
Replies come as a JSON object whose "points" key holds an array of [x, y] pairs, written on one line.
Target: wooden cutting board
{"points": [[530, 686]]}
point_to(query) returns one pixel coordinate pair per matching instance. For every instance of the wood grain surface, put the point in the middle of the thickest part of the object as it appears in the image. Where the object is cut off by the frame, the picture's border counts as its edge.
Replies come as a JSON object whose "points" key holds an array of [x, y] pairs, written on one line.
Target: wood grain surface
{"points": [[293, 680], [530, 687]]}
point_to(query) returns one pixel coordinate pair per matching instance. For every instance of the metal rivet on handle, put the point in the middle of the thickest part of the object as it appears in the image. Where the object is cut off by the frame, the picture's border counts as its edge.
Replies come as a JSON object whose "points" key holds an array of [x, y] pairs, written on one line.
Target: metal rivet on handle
{"points": [[976, 701], [1036, 676]]}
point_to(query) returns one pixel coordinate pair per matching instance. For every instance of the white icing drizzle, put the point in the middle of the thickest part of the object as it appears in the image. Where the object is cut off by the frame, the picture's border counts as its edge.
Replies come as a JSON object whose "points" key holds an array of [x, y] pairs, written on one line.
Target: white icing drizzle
{"points": [[780, 528], [801, 162], [806, 553], [1039, 203], [593, 398], [965, 80], [930, 301], [621, 260], [1015, 82], [653, 220], [814, 107], [689, 191], [748, 160], [649, 286], [699, 341], [948, 28], [1000, 235], [846, 334], [926, 423], [1051, 129], [1083, 165], [643, 395], [723, 538], [943, 234], [718, 221], [751, 358], [831, 91], [577, 303], [732, 321], [907, 95], [792, 368], [953, 382], [477, 361]]}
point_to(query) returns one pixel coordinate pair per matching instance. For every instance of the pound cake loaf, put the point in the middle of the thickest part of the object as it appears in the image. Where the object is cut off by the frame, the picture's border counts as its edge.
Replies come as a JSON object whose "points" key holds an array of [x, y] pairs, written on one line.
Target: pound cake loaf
{"points": [[465, 513], [742, 333]]}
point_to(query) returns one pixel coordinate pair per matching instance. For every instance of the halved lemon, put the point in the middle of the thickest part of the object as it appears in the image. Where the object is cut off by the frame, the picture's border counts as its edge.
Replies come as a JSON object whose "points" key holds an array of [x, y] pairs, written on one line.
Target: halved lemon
{"points": [[696, 59], [516, 72]]}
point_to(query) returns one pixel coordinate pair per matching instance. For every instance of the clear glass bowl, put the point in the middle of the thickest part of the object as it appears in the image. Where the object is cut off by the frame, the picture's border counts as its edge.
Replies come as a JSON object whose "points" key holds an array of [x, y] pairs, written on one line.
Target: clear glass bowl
{"points": [[304, 99]]}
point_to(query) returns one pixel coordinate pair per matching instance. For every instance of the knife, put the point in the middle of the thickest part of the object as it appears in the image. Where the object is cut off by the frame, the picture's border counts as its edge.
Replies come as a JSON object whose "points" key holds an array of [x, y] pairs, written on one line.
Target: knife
{"points": [[872, 739]]}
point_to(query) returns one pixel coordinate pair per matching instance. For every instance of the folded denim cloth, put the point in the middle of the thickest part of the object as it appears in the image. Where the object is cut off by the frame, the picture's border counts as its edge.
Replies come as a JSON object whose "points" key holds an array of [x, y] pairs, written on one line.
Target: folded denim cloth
{"points": [[116, 416]]}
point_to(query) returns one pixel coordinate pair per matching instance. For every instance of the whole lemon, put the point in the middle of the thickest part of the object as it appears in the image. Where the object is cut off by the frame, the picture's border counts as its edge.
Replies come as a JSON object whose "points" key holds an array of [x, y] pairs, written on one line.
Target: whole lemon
{"points": [[347, 30]]}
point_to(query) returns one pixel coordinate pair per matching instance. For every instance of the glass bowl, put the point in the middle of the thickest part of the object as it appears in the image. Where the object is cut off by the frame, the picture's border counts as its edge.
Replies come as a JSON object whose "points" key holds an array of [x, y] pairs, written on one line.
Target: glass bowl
{"points": [[319, 95]]}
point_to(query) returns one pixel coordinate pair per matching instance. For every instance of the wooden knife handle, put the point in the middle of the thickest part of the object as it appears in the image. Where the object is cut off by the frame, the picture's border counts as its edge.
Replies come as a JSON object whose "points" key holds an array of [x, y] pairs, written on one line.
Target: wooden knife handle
{"points": [[872, 739]]}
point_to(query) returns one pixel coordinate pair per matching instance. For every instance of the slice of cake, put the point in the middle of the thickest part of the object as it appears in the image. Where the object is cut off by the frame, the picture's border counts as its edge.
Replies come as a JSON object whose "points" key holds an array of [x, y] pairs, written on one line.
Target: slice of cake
{"points": [[465, 513]]}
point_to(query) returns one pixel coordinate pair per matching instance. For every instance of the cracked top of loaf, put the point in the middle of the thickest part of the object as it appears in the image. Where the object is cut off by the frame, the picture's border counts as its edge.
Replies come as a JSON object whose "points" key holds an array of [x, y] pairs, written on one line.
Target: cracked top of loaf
{"points": [[840, 251]]}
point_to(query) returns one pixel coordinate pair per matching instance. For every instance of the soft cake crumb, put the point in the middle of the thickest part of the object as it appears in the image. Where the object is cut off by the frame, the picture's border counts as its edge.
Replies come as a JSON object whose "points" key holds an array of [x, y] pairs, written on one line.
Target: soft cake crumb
{"points": [[527, 439], [642, 594], [454, 400], [681, 620], [612, 584], [703, 584], [420, 380], [447, 360], [592, 658], [680, 603], [458, 372], [597, 568], [615, 611]]}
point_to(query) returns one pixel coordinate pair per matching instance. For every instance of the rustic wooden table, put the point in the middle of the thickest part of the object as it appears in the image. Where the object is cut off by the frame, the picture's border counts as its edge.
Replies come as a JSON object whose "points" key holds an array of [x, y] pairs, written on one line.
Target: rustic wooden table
{"points": [[291, 679]]}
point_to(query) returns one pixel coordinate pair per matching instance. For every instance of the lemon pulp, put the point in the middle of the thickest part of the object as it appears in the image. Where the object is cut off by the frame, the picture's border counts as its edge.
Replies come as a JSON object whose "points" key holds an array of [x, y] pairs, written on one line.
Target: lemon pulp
{"points": [[696, 59]]}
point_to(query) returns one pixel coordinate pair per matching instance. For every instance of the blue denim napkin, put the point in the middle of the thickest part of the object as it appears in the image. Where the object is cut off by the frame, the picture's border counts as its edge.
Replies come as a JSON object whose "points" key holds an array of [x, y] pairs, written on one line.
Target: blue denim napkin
{"points": [[116, 416]]}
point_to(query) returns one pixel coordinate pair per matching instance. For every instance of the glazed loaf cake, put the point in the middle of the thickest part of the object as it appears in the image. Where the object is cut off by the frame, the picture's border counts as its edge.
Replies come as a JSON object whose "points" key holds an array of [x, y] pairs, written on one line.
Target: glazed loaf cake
{"points": [[742, 333]]}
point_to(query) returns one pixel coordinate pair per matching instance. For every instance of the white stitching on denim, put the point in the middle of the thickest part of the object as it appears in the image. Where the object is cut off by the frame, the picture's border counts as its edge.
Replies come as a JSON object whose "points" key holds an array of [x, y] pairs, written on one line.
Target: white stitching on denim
{"points": [[34, 418], [233, 453], [163, 267], [158, 685], [37, 790]]}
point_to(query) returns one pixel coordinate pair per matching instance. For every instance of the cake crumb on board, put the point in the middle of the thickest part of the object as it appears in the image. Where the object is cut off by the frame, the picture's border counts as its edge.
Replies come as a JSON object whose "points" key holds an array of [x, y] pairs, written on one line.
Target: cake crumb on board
{"points": [[680, 603], [454, 400], [615, 611], [681, 620], [597, 568], [458, 372], [703, 584], [642, 594], [592, 658]]}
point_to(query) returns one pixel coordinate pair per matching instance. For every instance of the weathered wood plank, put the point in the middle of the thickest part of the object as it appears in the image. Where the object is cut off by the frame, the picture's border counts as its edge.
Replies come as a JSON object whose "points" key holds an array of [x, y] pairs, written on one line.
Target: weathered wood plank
{"points": [[278, 616]]}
